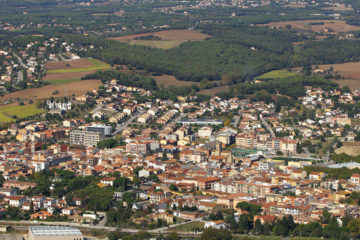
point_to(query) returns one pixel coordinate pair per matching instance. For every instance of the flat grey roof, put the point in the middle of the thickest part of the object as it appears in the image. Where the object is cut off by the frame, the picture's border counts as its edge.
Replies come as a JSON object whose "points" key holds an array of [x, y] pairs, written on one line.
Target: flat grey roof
{"points": [[54, 231]]}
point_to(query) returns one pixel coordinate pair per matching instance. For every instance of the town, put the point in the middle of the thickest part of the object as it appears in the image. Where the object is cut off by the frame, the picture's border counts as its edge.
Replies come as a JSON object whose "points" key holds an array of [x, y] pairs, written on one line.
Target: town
{"points": [[210, 120], [171, 162]]}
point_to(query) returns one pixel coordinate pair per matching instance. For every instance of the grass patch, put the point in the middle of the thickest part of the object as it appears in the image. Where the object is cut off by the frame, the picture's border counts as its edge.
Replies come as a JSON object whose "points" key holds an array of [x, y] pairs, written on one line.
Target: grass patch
{"points": [[60, 81], [97, 65], [187, 227], [241, 237], [163, 44], [277, 74], [7, 113]]}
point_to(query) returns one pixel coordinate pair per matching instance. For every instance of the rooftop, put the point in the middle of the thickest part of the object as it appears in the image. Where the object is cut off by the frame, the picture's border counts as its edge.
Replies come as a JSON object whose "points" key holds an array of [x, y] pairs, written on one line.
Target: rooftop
{"points": [[54, 231]]}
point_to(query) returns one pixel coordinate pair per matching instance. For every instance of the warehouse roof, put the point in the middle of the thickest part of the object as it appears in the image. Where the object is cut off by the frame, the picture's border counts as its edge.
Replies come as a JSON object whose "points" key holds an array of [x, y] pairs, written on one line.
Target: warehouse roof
{"points": [[54, 231]]}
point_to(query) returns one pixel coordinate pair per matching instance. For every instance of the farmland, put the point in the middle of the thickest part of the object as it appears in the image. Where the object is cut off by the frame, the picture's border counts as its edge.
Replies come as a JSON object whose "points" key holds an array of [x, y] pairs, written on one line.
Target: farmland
{"points": [[9, 113], [66, 89], [163, 39], [81, 65], [325, 26], [349, 71], [71, 71]]}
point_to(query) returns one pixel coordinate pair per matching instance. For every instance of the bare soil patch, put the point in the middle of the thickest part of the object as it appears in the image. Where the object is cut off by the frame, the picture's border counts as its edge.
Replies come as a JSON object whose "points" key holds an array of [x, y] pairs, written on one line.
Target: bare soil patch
{"points": [[78, 88], [168, 35], [328, 26], [53, 76], [350, 148], [350, 72], [74, 64], [169, 80]]}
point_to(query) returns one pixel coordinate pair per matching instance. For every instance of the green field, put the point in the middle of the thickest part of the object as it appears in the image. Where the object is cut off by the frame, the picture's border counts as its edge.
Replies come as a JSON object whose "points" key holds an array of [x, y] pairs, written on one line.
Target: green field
{"points": [[97, 65], [187, 227], [60, 81], [7, 113], [163, 44], [277, 74]]}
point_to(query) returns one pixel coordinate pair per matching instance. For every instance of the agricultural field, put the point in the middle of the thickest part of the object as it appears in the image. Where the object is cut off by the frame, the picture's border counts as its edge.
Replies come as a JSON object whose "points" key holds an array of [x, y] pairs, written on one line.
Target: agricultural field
{"points": [[349, 71], [324, 26], [77, 88], [9, 113], [163, 39], [277, 74], [169, 80], [71, 71]]}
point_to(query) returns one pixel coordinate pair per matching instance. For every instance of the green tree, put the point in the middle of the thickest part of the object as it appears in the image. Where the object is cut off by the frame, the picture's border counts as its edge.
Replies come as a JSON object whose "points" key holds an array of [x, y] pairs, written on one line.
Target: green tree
{"points": [[215, 234]]}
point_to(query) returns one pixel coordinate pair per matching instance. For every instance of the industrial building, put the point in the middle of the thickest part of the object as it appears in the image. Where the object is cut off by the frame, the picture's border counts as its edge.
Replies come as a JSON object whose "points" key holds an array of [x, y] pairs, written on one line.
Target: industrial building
{"points": [[54, 233]]}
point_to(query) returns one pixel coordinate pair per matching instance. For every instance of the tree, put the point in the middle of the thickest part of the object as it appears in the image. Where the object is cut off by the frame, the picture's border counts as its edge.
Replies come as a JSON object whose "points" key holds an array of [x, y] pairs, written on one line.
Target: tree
{"points": [[280, 230], [215, 234], [173, 236], [164, 156], [31, 210], [230, 219], [244, 223], [258, 228], [253, 209], [354, 226]]}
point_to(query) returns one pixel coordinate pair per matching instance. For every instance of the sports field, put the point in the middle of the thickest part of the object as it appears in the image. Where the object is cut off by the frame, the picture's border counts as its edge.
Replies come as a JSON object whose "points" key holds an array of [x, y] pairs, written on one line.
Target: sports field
{"points": [[9, 113]]}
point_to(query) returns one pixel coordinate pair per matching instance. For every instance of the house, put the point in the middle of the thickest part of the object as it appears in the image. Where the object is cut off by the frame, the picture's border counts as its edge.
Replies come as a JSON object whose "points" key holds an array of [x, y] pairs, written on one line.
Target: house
{"points": [[205, 183], [138, 206], [108, 182], [219, 224], [188, 215], [168, 218], [265, 218], [205, 132], [317, 176], [68, 211], [77, 201], [42, 215], [8, 191], [355, 179], [16, 201]]}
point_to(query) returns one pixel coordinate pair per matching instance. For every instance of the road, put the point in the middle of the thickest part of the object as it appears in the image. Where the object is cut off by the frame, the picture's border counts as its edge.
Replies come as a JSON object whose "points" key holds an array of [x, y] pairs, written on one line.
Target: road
{"points": [[166, 229], [267, 126], [125, 124], [24, 224], [22, 64]]}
